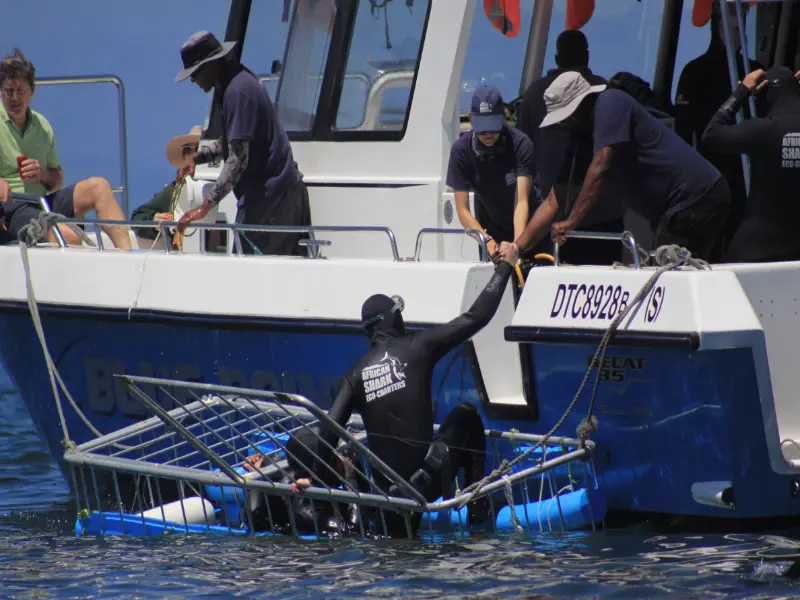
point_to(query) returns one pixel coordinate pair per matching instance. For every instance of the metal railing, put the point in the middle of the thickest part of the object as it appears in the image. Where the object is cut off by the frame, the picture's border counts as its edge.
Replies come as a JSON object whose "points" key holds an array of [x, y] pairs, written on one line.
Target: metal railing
{"points": [[123, 137], [473, 233], [626, 237], [236, 229], [42, 203]]}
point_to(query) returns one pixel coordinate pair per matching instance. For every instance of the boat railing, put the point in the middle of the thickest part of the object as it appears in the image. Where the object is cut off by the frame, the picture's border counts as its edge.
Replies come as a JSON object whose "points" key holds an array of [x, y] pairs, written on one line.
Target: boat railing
{"points": [[626, 237], [123, 137], [473, 233], [312, 245]]}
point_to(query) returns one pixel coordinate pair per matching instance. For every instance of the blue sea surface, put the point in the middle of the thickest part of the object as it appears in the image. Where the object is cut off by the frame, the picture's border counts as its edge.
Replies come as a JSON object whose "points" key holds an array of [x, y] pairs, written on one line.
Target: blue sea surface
{"points": [[40, 556]]}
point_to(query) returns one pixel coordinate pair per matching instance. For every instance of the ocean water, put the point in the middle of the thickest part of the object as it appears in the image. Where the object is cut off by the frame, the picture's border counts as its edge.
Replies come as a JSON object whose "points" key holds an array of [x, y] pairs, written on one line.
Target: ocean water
{"points": [[40, 556]]}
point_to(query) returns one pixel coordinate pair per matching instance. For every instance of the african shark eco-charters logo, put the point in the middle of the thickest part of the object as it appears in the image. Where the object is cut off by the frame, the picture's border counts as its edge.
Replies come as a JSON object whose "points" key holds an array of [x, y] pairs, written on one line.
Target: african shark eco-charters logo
{"points": [[383, 378]]}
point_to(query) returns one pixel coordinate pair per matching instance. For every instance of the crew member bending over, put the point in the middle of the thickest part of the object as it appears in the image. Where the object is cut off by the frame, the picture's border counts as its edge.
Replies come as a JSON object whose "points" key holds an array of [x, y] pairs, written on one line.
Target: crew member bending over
{"points": [[660, 176], [391, 388], [769, 230]]}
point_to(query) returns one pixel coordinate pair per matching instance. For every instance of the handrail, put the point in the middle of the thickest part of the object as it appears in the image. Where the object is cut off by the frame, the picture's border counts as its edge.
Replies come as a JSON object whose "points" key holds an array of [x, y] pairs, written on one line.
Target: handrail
{"points": [[236, 228], [42, 203], [626, 237], [468, 232], [123, 136]]}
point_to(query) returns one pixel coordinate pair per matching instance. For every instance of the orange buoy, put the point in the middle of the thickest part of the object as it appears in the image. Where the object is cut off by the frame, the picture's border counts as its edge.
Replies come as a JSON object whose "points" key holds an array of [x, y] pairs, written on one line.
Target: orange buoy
{"points": [[504, 15], [578, 13]]}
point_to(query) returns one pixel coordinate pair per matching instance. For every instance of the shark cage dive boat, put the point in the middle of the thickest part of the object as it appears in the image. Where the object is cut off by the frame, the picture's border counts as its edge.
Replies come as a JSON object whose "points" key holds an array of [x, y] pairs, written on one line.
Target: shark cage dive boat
{"points": [[161, 397]]}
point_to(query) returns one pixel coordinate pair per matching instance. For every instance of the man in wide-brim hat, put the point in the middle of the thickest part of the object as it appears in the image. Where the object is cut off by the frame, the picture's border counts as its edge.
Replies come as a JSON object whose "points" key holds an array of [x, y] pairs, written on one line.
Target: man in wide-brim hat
{"points": [[159, 208], [259, 166]]}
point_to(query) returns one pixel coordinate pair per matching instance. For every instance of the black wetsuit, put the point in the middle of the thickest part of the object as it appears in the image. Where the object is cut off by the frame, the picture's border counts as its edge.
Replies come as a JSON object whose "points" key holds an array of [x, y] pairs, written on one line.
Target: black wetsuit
{"points": [[391, 388], [769, 231]]}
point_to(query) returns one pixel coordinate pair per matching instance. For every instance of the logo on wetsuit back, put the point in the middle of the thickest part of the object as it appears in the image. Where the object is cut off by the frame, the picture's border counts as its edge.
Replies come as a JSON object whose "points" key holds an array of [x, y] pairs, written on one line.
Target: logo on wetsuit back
{"points": [[790, 151], [384, 377]]}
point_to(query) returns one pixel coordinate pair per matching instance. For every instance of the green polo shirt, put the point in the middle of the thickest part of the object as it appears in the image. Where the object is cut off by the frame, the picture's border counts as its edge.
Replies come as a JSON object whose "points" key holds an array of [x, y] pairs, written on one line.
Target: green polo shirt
{"points": [[38, 141]]}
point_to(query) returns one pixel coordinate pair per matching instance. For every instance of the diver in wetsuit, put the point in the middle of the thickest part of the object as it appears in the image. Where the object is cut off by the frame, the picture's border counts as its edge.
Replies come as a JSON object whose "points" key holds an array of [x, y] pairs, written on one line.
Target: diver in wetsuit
{"points": [[769, 230], [324, 518], [390, 386]]}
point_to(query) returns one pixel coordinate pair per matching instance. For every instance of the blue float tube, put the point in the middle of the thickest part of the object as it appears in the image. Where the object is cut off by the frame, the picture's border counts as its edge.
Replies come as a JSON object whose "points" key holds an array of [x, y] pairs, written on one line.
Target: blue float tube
{"points": [[109, 523], [574, 507]]}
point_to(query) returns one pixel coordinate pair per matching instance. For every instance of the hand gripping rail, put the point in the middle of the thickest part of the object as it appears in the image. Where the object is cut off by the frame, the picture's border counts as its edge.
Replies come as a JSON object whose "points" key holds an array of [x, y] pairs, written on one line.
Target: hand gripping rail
{"points": [[626, 237], [479, 236]]}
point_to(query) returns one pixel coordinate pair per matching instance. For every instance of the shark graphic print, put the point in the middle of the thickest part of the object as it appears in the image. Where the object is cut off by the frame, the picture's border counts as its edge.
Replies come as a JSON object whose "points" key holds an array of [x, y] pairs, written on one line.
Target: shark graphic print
{"points": [[384, 377]]}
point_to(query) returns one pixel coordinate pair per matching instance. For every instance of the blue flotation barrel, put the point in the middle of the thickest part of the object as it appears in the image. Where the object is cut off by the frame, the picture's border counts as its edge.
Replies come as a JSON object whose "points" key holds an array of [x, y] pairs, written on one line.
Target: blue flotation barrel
{"points": [[579, 509]]}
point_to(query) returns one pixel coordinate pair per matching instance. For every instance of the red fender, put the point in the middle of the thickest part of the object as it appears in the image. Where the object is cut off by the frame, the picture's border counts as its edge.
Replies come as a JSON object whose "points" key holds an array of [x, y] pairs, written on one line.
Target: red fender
{"points": [[504, 16], [578, 13]]}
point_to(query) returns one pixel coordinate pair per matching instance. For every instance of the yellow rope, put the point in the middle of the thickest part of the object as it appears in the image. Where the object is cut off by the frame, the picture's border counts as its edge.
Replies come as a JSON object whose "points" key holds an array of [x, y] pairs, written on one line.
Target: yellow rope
{"points": [[177, 239]]}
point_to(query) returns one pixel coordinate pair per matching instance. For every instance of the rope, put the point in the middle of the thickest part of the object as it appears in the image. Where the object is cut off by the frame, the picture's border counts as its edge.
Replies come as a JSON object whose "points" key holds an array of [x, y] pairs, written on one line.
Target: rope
{"points": [[668, 257], [510, 501], [33, 232]]}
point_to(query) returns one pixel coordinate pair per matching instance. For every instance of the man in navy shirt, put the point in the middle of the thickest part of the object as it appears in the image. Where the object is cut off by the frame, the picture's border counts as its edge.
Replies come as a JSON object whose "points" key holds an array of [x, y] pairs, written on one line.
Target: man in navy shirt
{"points": [[259, 165], [685, 199], [497, 163]]}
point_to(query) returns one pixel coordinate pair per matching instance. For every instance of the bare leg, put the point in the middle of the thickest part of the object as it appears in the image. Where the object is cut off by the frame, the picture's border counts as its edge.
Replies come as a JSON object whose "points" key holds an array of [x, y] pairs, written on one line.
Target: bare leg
{"points": [[70, 237], [95, 194]]}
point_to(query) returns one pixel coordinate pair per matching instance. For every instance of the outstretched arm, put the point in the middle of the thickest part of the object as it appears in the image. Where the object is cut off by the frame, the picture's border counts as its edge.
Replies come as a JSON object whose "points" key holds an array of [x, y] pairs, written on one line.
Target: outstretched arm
{"points": [[439, 340]]}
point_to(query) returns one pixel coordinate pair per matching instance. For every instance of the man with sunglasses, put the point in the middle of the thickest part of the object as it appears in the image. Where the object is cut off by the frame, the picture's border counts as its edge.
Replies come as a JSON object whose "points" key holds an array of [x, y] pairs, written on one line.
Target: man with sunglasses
{"points": [[496, 162], [160, 208], [29, 164], [662, 178], [390, 386], [259, 165]]}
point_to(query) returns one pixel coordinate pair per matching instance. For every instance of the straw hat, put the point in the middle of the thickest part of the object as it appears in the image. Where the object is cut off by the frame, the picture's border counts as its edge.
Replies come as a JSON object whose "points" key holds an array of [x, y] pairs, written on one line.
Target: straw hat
{"points": [[174, 146]]}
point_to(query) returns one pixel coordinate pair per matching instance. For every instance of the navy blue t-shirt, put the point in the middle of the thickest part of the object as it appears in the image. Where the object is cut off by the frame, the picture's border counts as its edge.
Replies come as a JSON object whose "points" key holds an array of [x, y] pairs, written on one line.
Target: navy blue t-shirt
{"points": [[656, 170], [493, 178], [249, 115]]}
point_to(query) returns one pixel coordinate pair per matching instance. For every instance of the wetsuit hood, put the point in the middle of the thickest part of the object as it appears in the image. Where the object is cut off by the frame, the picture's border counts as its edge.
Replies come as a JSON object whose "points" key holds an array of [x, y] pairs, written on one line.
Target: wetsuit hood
{"points": [[783, 90], [382, 319], [302, 450]]}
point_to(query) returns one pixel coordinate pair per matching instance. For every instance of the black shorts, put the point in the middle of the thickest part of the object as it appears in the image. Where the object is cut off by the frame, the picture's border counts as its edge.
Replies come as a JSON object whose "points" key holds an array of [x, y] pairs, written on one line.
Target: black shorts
{"points": [[292, 208], [699, 227], [16, 214]]}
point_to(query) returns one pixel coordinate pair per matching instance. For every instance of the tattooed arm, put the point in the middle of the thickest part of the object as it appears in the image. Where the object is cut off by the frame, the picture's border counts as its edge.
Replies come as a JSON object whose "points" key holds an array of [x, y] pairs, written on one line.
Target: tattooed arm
{"points": [[232, 171]]}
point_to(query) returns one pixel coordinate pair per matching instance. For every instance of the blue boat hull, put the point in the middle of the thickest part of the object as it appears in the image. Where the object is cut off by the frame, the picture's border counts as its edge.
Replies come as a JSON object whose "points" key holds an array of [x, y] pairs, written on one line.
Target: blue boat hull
{"points": [[668, 417]]}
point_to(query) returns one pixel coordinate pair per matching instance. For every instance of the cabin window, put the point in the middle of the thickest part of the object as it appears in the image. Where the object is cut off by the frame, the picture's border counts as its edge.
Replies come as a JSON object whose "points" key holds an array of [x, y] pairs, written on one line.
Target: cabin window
{"points": [[265, 43], [381, 66], [492, 58], [304, 65]]}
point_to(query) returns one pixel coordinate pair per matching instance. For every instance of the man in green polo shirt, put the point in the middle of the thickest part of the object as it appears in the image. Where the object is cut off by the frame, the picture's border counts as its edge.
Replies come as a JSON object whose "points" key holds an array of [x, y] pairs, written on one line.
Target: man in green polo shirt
{"points": [[29, 163]]}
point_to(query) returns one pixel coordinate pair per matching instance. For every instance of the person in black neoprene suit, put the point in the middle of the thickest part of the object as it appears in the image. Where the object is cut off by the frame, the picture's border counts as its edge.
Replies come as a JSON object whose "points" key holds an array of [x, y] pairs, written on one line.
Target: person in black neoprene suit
{"points": [[390, 386], [769, 230]]}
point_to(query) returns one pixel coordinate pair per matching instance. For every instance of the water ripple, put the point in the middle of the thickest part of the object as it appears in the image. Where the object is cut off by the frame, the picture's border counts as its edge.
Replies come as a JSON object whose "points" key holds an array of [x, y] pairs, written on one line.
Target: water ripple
{"points": [[41, 558]]}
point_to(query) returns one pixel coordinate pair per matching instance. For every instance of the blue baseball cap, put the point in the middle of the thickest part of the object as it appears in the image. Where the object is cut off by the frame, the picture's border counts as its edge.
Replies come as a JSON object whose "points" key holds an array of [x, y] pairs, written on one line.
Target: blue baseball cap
{"points": [[488, 114]]}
